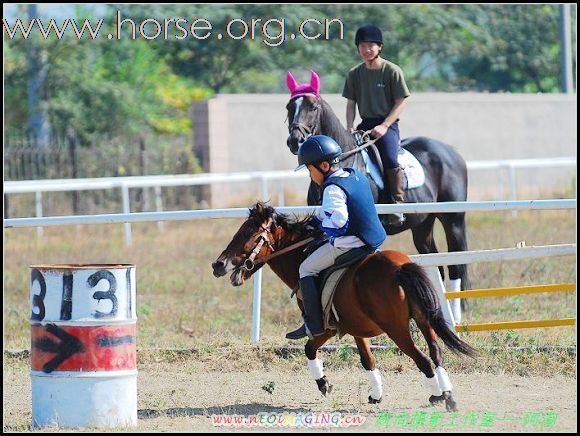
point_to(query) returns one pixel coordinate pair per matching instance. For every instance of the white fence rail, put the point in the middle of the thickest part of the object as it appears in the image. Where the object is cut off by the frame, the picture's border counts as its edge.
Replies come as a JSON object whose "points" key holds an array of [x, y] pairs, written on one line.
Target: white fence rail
{"points": [[443, 207], [263, 178], [428, 260]]}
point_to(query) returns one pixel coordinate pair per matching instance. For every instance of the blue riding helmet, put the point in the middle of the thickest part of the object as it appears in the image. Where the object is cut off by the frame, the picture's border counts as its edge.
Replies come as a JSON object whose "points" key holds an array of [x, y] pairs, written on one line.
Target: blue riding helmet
{"points": [[317, 149]]}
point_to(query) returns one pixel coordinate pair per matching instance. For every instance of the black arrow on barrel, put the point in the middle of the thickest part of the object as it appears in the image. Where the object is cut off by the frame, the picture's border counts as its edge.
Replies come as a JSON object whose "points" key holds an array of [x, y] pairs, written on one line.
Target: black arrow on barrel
{"points": [[64, 349]]}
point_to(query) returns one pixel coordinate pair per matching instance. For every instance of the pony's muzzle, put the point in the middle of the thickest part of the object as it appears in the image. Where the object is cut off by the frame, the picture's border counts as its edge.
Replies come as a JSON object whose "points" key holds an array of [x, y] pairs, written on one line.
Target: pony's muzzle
{"points": [[219, 268]]}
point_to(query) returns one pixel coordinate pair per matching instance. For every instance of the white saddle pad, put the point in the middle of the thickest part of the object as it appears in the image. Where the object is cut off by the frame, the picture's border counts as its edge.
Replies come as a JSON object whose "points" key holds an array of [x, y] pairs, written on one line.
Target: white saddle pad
{"points": [[413, 170]]}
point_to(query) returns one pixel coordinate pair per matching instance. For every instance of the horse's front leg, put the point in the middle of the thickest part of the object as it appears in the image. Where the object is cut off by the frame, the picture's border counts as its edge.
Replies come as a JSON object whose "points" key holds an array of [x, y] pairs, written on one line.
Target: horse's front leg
{"points": [[315, 364], [369, 363]]}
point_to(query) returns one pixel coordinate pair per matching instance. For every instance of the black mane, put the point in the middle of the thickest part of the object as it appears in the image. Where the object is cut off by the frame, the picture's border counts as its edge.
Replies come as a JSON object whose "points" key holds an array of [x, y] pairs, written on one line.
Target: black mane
{"points": [[295, 226]]}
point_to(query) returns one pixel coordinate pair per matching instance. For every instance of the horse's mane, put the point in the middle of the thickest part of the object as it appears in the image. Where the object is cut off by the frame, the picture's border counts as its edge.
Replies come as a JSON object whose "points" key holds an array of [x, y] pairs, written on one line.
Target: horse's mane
{"points": [[291, 225], [331, 126]]}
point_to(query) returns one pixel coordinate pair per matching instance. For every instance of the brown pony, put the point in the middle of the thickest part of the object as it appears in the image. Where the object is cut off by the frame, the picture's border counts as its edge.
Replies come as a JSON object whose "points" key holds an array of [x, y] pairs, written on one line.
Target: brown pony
{"points": [[380, 293]]}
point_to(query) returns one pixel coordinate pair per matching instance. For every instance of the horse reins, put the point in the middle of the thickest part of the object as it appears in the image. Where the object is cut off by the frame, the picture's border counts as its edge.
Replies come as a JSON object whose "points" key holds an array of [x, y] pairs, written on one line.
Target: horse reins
{"points": [[343, 156]]}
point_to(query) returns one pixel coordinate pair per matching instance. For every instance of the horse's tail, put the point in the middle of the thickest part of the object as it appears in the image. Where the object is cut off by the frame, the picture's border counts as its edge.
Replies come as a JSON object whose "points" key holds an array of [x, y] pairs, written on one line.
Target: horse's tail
{"points": [[421, 292]]}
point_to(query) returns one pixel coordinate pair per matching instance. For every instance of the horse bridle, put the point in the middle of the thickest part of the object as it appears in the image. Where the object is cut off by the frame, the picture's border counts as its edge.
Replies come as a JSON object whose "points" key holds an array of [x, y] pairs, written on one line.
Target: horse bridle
{"points": [[262, 238], [249, 264], [302, 128]]}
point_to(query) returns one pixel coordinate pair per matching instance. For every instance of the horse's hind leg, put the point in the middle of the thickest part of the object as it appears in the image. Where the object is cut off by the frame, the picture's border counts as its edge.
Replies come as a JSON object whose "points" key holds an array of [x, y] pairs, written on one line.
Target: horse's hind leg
{"points": [[402, 337], [455, 232], [439, 385], [315, 364], [369, 363]]}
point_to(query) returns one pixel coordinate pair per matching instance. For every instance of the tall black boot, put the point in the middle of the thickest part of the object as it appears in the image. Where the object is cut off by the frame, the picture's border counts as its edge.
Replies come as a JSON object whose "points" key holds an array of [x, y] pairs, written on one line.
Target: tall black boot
{"points": [[396, 178], [313, 321]]}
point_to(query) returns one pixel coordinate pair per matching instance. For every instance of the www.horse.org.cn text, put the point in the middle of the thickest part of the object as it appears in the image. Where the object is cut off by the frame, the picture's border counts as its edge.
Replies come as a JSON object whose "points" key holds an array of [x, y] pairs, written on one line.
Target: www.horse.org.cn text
{"points": [[272, 32]]}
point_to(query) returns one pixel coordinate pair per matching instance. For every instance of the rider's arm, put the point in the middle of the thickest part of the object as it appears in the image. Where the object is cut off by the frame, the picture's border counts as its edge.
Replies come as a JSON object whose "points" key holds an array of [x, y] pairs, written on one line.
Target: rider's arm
{"points": [[335, 220], [350, 114], [395, 113]]}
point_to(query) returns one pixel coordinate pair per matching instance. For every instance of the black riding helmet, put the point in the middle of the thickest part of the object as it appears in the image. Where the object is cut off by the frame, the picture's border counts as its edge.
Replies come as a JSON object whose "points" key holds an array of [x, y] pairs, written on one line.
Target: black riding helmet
{"points": [[317, 149], [368, 33]]}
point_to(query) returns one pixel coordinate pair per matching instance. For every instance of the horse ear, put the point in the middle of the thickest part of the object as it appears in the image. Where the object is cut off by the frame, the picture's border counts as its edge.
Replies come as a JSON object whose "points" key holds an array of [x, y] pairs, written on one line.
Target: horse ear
{"points": [[291, 82], [315, 81]]}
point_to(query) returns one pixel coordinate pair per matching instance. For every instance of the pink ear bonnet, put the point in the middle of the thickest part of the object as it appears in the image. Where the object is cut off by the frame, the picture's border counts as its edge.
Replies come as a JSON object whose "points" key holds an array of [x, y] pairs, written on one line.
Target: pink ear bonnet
{"points": [[296, 90]]}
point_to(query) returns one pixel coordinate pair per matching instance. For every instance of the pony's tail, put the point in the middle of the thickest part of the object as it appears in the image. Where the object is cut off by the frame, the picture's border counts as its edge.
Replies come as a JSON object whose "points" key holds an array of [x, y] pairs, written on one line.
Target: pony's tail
{"points": [[421, 292]]}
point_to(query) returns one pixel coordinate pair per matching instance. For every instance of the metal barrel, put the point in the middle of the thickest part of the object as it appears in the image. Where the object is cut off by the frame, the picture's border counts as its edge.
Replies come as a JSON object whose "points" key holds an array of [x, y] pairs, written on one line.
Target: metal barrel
{"points": [[83, 345]]}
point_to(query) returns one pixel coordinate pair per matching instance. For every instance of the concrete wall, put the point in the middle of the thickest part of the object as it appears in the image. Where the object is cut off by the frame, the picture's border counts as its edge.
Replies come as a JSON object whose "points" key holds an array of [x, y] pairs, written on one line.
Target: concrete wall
{"points": [[238, 133]]}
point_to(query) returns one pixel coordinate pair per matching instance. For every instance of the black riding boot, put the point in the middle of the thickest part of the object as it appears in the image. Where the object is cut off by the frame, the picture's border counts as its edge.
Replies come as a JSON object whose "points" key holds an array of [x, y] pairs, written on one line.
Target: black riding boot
{"points": [[313, 321], [396, 179]]}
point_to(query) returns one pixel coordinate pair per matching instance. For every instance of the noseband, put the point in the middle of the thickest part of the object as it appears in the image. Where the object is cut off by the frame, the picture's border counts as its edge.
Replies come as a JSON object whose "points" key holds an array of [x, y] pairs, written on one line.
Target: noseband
{"points": [[302, 128]]}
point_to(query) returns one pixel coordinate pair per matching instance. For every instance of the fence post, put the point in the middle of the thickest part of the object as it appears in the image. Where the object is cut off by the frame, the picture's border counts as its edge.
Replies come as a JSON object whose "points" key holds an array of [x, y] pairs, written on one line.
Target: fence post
{"points": [[159, 206], [256, 306], [74, 167], [126, 209], [513, 188], [435, 277], [281, 196], [38, 197], [264, 185]]}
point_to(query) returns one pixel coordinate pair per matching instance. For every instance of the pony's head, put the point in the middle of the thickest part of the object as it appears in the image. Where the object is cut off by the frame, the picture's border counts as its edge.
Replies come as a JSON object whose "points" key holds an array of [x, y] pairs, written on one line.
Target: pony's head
{"points": [[264, 232], [304, 109], [253, 240]]}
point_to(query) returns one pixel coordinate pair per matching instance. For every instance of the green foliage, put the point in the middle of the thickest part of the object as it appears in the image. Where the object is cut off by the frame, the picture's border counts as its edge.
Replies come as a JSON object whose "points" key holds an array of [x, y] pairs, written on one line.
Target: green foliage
{"points": [[128, 86], [121, 88]]}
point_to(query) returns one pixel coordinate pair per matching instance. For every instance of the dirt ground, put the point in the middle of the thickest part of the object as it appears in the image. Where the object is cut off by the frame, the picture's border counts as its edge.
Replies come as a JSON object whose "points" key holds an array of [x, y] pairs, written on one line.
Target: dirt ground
{"points": [[174, 397]]}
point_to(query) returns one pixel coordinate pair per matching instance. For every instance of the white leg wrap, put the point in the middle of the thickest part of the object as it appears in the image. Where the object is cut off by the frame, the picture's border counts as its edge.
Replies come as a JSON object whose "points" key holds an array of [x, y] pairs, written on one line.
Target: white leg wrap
{"points": [[432, 385], [376, 384], [443, 379], [455, 285], [316, 369]]}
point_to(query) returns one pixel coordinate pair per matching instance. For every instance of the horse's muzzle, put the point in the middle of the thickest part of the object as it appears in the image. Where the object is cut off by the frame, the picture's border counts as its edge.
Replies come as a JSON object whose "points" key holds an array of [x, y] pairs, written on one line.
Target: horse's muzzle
{"points": [[219, 268], [293, 144]]}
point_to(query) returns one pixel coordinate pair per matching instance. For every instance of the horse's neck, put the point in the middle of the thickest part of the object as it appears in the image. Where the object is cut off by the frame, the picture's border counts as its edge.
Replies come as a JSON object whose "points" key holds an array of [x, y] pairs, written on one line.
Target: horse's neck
{"points": [[331, 126], [286, 266]]}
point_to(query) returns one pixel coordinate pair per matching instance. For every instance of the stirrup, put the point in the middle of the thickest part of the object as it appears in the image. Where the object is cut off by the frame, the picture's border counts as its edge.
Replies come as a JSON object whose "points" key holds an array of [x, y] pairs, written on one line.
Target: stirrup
{"points": [[299, 333]]}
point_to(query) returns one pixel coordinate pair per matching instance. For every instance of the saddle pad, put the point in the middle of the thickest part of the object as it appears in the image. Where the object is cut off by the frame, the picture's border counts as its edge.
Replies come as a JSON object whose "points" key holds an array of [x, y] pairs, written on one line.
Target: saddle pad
{"points": [[372, 169], [329, 312], [414, 172]]}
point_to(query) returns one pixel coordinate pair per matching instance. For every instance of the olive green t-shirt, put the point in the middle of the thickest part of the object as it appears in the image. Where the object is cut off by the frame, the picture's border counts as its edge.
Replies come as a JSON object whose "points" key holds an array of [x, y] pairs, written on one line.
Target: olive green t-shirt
{"points": [[375, 91]]}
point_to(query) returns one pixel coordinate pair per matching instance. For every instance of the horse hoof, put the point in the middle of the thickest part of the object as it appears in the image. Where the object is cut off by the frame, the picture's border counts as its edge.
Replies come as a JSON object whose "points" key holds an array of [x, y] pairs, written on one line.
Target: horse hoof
{"points": [[373, 401], [450, 404], [323, 386], [436, 399]]}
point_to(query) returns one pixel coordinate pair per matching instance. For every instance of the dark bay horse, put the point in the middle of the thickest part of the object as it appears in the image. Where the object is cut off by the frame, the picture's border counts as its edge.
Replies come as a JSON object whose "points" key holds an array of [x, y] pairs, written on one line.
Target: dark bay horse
{"points": [[379, 294], [445, 176]]}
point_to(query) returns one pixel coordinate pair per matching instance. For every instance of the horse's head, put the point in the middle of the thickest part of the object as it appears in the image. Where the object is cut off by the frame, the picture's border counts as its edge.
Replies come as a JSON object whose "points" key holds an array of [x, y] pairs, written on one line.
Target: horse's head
{"points": [[253, 240], [304, 110]]}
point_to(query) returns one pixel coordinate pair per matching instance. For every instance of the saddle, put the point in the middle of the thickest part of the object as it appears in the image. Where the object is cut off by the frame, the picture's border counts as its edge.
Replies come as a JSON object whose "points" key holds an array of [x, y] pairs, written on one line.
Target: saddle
{"points": [[412, 169], [329, 279]]}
